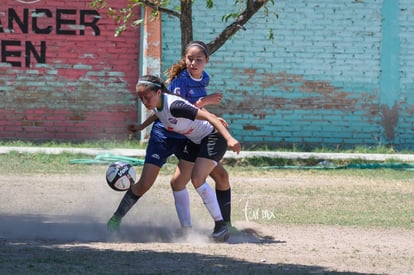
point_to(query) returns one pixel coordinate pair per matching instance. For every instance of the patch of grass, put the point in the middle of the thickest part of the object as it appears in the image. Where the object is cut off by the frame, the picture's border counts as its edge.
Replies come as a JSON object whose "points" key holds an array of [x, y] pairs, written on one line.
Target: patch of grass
{"points": [[361, 205], [366, 198], [268, 162], [41, 163]]}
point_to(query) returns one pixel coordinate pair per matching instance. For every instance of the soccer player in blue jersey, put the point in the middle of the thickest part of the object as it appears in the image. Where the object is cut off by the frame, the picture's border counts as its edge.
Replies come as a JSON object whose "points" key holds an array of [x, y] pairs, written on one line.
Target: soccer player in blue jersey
{"points": [[188, 79]]}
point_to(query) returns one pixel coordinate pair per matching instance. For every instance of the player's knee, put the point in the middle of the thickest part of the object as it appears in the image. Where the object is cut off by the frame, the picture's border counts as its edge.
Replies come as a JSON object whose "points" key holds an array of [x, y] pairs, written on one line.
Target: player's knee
{"points": [[220, 174], [177, 185], [221, 180], [197, 182], [179, 181]]}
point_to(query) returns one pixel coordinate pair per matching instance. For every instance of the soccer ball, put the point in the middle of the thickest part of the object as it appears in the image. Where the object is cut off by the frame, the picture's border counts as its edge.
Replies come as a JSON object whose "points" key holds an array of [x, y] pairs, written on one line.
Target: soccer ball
{"points": [[120, 175]]}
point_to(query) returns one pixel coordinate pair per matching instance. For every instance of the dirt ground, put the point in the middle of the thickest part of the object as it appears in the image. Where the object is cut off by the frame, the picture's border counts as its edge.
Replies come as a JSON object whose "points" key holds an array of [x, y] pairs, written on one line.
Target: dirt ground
{"points": [[55, 224]]}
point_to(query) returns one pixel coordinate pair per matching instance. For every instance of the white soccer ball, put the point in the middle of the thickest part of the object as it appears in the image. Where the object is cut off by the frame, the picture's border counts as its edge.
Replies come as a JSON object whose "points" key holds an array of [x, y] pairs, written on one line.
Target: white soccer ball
{"points": [[120, 176]]}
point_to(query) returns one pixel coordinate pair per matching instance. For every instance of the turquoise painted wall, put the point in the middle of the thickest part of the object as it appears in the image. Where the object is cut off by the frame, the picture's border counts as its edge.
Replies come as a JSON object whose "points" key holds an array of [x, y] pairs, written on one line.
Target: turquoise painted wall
{"points": [[339, 73]]}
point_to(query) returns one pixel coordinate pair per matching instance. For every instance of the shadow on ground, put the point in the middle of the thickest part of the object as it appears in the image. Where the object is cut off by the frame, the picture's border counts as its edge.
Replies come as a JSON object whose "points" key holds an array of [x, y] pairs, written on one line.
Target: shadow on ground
{"points": [[86, 229], [36, 245]]}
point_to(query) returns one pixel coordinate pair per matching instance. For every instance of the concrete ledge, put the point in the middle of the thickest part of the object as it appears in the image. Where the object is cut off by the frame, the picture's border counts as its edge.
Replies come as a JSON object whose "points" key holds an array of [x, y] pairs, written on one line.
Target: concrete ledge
{"points": [[325, 156]]}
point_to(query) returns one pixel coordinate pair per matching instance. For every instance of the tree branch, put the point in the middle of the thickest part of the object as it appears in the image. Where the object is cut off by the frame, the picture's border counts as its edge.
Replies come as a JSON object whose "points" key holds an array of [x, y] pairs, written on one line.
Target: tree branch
{"points": [[156, 7], [252, 6]]}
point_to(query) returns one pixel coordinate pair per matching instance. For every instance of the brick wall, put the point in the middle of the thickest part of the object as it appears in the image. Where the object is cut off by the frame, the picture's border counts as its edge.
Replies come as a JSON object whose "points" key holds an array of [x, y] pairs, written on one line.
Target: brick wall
{"points": [[405, 129], [63, 74], [338, 74]]}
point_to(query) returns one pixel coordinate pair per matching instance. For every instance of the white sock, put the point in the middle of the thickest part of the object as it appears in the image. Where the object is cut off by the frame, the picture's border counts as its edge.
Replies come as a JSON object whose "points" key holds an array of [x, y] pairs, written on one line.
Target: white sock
{"points": [[182, 206], [210, 201]]}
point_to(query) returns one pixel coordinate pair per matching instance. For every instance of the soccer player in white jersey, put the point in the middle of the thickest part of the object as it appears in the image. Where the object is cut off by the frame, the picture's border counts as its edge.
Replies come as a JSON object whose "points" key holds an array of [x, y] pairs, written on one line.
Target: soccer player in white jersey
{"points": [[208, 140]]}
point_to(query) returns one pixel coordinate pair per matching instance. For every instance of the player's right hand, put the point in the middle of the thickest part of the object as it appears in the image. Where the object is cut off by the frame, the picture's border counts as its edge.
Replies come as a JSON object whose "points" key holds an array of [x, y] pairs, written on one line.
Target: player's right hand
{"points": [[135, 127]]}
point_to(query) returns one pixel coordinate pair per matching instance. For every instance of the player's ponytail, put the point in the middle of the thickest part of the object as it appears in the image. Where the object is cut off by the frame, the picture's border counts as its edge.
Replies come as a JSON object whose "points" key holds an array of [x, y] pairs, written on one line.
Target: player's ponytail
{"points": [[175, 70]]}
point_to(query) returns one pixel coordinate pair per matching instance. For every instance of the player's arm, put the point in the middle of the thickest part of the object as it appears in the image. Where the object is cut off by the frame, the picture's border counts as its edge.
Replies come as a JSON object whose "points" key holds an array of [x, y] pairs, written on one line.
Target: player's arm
{"points": [[232, 143], [214, 98], [185, 110], [139, 127]]}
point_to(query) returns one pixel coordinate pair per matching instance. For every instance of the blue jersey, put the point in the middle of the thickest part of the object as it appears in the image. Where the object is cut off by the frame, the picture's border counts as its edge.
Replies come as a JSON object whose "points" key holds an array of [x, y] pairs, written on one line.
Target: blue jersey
{"points": [[187, 87]]}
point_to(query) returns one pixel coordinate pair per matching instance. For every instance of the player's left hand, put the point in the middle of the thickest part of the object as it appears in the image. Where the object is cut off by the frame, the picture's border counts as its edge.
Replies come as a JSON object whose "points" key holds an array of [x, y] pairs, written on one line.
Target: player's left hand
{"points": [[214, 98], [234, 145]]}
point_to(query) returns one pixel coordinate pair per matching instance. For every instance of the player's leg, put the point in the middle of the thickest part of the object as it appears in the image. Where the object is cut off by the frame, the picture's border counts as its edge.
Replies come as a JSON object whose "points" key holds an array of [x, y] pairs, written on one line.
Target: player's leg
{"points": [[212, 149], [201, 170], [178, 183], [223, 191], [186, 153], [156, 155], [148, 176]]}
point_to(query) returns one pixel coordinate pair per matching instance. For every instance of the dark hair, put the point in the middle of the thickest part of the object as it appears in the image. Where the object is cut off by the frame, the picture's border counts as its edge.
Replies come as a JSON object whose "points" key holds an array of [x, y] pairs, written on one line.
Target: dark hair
{"points": [[153, 83], [199, 44], [178, 67]]}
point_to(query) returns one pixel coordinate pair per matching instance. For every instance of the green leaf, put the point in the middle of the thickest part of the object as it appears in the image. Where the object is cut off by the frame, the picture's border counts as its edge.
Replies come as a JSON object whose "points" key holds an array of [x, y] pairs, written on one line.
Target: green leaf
{"points": [[228, 16], [271, 35], [137, 22], [209, 4]]}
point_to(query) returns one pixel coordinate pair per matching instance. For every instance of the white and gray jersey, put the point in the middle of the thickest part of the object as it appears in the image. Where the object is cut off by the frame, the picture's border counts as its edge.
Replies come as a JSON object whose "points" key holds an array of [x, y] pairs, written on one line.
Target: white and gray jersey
{"points": [[178, 115]]}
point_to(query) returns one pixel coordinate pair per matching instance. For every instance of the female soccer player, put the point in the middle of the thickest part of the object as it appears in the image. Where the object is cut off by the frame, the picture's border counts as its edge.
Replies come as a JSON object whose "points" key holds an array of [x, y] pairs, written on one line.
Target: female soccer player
{"points": [[207, 142], [188, 79]]}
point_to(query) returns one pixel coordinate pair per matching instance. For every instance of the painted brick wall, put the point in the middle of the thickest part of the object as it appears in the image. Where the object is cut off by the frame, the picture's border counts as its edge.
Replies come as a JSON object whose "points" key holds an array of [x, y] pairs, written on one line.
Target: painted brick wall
{"points": [[63, 74], [337, 74], [405, 129]]}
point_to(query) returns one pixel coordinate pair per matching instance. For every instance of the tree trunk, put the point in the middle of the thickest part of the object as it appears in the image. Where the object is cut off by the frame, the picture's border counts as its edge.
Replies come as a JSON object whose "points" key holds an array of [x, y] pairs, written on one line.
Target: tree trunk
{"points": [[186, 24]]}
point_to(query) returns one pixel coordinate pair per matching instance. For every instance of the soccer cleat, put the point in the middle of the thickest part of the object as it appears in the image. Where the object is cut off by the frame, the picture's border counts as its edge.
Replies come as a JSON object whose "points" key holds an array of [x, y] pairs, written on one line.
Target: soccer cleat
{"points": [[221, 232], [113, 224]]}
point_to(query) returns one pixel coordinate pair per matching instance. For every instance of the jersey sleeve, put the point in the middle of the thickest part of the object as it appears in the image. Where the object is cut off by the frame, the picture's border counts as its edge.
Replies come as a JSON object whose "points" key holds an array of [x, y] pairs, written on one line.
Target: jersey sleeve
{"points": [[181, 109]]}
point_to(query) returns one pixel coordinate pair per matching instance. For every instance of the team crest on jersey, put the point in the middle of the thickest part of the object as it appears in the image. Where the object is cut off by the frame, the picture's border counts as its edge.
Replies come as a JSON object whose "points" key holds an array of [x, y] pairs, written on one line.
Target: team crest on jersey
{"points": [[172, 120], [177, 91]]}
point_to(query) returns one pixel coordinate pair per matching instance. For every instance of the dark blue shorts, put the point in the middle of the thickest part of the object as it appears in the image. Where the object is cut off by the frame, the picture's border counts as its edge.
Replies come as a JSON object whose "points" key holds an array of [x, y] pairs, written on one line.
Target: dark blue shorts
{"points": [[161, 146]]}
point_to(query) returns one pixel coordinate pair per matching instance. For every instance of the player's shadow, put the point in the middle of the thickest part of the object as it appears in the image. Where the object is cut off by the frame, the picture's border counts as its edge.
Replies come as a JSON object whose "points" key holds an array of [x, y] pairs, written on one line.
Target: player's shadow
{"points": [[81, 228], [250, 235], [152, 233]]}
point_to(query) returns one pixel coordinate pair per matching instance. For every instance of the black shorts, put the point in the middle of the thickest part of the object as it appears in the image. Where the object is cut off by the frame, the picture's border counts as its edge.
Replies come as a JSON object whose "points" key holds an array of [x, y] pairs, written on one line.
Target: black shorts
{"points": [[212, 147]]}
